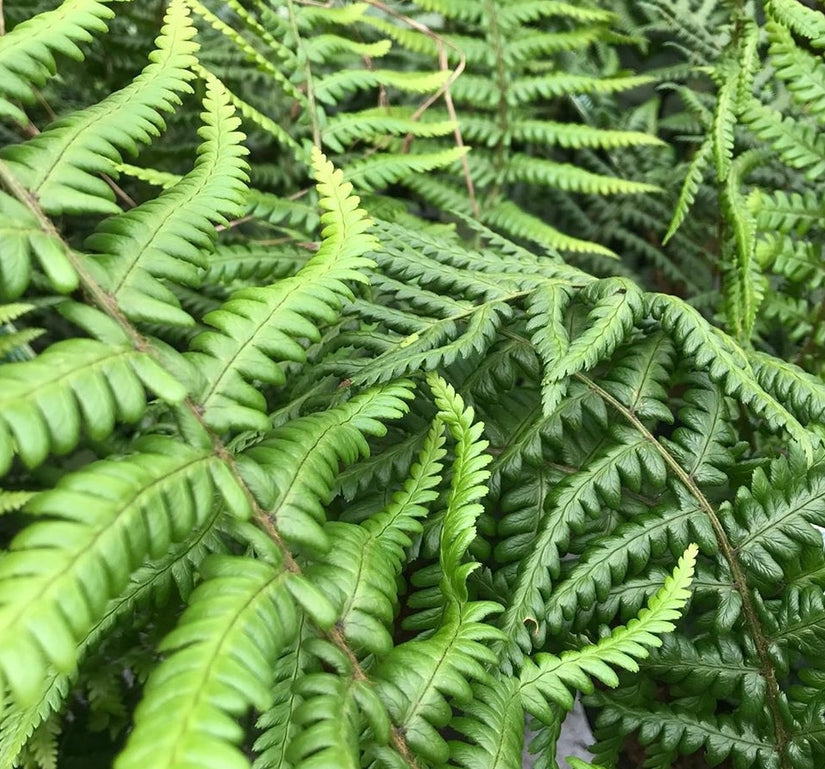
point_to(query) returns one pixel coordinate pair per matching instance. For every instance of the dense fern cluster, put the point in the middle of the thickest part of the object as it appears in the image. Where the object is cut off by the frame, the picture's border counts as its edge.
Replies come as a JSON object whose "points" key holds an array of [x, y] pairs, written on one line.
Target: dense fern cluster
{"points": [[299, 477]]}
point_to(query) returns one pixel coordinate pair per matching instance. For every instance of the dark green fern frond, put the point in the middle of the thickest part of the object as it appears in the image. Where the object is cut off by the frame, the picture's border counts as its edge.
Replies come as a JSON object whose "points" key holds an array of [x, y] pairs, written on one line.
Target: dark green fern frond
{"points": [[547, 680]]}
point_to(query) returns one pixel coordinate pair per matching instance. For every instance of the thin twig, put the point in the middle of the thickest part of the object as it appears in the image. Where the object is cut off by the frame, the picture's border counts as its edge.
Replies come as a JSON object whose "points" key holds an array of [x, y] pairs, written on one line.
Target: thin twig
{"points": [[441, 44]]}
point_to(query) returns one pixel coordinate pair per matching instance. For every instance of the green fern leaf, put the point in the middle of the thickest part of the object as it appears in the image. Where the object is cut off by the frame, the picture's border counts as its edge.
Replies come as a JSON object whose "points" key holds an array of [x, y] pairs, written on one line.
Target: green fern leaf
{"points": [[165, 237], [366, 560], [44, 400], [27, 52], [548, 678], [259, 326], [696, 171], [238, 620], [61, 165], [21, 237], [725, 363], [59, 573], [294, 494]]}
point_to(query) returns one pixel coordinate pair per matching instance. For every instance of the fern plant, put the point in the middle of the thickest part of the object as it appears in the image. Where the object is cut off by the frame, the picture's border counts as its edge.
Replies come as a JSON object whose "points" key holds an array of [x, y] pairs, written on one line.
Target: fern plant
{"points": [[288, 483]]}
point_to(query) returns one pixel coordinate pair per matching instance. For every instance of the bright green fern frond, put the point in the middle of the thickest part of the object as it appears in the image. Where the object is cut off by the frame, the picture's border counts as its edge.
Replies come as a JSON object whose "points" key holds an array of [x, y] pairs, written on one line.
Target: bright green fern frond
{"points": [[61, 165], [100, 524], [468, 485], [547, 679], [44, 401], [564, 176], [13, 500], [258, 327], [801, 20], [514, 221], [366, 559], [696, 171], [294, 493], [495, 723], [152, 581], [372, 124], [383, 169], [167, 237], [803, 72], [219, 663], [415, 678], [14, 342], [27, 52], [328, 723], [21, 238]]}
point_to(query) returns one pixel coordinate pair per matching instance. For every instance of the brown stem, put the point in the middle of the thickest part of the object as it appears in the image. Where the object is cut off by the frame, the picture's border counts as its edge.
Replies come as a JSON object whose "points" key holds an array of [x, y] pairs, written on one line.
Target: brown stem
{"points": [[441, 44]]}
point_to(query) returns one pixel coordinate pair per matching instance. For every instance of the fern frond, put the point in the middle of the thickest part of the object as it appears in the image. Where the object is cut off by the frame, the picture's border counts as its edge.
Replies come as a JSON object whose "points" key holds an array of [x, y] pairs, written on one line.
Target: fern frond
{"points": [[495, 723], [151, 581], [61, 165], [628, 550], [565, 509], [21, 238], [238, 620], [366, 560], [801, 20], [704, 439], [803, 73], [415, 676], [769, 526], [798, 144], [258, 327], [570, 178], [294, 494], [726, 363], [384, 169], [371, 124], [803, 393], [508, 217], [546, 308], [695, 173], [547, 679], [165, 237], [104, 521], [27, 52], [45, 400]]}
